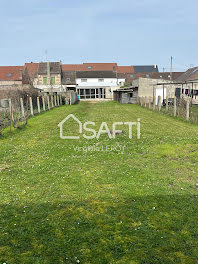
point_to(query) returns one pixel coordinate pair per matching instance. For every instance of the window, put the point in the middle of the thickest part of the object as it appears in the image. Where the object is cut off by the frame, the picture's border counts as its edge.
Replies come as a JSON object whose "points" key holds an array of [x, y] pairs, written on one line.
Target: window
{"points": [[68, 79], [101, 80], [9, 74], [89, 67], [44, 80], [52, 80], [83, 80], [131, 76], [147, 76]]}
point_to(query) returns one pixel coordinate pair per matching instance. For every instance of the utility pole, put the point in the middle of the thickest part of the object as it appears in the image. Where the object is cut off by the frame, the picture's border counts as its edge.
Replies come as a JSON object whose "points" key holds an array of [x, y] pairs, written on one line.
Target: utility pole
{"points": [[46, 54], [171, 69]]}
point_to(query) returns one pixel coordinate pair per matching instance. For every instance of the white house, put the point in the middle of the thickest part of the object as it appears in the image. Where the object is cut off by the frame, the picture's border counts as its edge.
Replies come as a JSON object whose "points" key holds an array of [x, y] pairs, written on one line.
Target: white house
{"points": [[97, 84]]}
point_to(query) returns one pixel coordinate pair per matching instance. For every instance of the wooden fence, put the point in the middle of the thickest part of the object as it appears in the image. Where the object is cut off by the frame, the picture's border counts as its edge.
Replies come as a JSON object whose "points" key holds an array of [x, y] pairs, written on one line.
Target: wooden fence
{"points": [[21, 111], [177, 107]]}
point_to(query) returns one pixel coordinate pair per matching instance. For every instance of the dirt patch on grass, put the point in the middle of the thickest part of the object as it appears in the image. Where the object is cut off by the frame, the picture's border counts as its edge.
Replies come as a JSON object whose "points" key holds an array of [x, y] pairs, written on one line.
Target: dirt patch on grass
{"points": [[3, 167]]}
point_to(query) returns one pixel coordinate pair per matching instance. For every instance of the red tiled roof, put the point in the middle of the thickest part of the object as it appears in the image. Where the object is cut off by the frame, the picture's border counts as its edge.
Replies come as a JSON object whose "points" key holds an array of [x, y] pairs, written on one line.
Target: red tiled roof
{"points": [[125, 69], [90, 67], [32, 69], [11, 73], [100, 66], [72, 67]]}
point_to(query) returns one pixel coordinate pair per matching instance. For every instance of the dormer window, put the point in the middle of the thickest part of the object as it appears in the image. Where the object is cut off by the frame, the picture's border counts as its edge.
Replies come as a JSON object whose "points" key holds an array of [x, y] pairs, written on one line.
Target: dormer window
{"points": [[9, 74], [89, 67]]}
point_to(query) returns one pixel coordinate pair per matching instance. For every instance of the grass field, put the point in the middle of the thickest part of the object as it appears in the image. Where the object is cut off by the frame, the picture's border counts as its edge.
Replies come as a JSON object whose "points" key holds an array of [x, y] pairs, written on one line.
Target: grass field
{"points": [[139, 206]]}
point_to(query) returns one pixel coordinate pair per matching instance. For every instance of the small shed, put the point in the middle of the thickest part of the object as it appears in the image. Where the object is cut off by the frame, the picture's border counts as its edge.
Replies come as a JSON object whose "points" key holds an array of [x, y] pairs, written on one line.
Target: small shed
{"points": [[126, 95]]}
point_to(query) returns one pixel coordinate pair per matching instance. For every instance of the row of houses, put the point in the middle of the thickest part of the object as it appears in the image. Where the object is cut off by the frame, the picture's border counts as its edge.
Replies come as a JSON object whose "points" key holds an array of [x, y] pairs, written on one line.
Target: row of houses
{"points": [[89, 80], [183, 86], [94, 81]]}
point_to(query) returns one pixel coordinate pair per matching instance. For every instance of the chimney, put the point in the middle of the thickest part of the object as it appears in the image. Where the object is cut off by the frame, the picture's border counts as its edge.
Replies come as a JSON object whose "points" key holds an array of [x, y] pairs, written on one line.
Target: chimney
{"points": [[48, 73]]}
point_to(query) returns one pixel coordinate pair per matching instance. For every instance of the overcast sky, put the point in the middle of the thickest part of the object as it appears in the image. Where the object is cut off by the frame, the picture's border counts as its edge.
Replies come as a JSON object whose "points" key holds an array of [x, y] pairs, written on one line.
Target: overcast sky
{"points": [[129, 32]]}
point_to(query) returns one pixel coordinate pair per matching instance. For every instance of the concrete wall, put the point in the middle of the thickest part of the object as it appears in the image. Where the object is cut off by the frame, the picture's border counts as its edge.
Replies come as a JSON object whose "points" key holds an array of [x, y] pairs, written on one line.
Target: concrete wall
{"points": [[109, 92], [147, 87]]}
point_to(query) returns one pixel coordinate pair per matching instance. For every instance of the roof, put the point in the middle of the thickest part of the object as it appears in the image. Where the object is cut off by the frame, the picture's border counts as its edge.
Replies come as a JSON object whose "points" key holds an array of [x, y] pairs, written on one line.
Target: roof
{"points": [[145, 68], [125, 69], [165, 75], [69, 77], [190, 75], [72, 67], [96, 74], [100, 66], [11, 73], [129, 89], [32, 69], [90, 67], [55, 67]]}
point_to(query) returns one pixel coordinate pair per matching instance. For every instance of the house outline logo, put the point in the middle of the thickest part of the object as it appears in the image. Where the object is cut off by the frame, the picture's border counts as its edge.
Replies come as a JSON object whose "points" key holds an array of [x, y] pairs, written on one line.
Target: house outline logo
{"points": [[65, 120]]}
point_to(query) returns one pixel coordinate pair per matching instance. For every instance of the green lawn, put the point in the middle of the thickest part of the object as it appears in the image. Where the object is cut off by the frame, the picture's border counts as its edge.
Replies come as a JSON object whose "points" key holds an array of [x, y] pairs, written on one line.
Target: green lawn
{"points": [[63, 206]]}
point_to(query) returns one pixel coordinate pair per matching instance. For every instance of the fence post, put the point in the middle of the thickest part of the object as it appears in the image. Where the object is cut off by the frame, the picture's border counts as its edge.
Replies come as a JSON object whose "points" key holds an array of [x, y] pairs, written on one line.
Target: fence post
{"points": [[175, 106], [159, 103], [38, 104], [10, 105], [187, 109], [31, 106], [167, 103], [58, 100], [48, 103], [52, 103], [149, 102], [61, 102], [11, 117], [145, 100], [154, 98], [27, 102], [43, 101], [55, 100], [22, 107]]}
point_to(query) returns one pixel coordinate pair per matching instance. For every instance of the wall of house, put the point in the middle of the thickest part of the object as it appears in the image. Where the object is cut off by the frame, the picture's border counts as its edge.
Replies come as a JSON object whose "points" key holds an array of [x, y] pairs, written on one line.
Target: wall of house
{"points": [[50, 88], [10, 82], [121, 81], [94, 82], [109, 92], [39, 80]]}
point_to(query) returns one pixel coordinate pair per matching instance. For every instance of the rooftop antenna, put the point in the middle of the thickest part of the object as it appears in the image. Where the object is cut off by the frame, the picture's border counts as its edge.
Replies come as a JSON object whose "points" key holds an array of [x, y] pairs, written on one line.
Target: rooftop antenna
{"points": [[46, 55], [171, 69]]}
